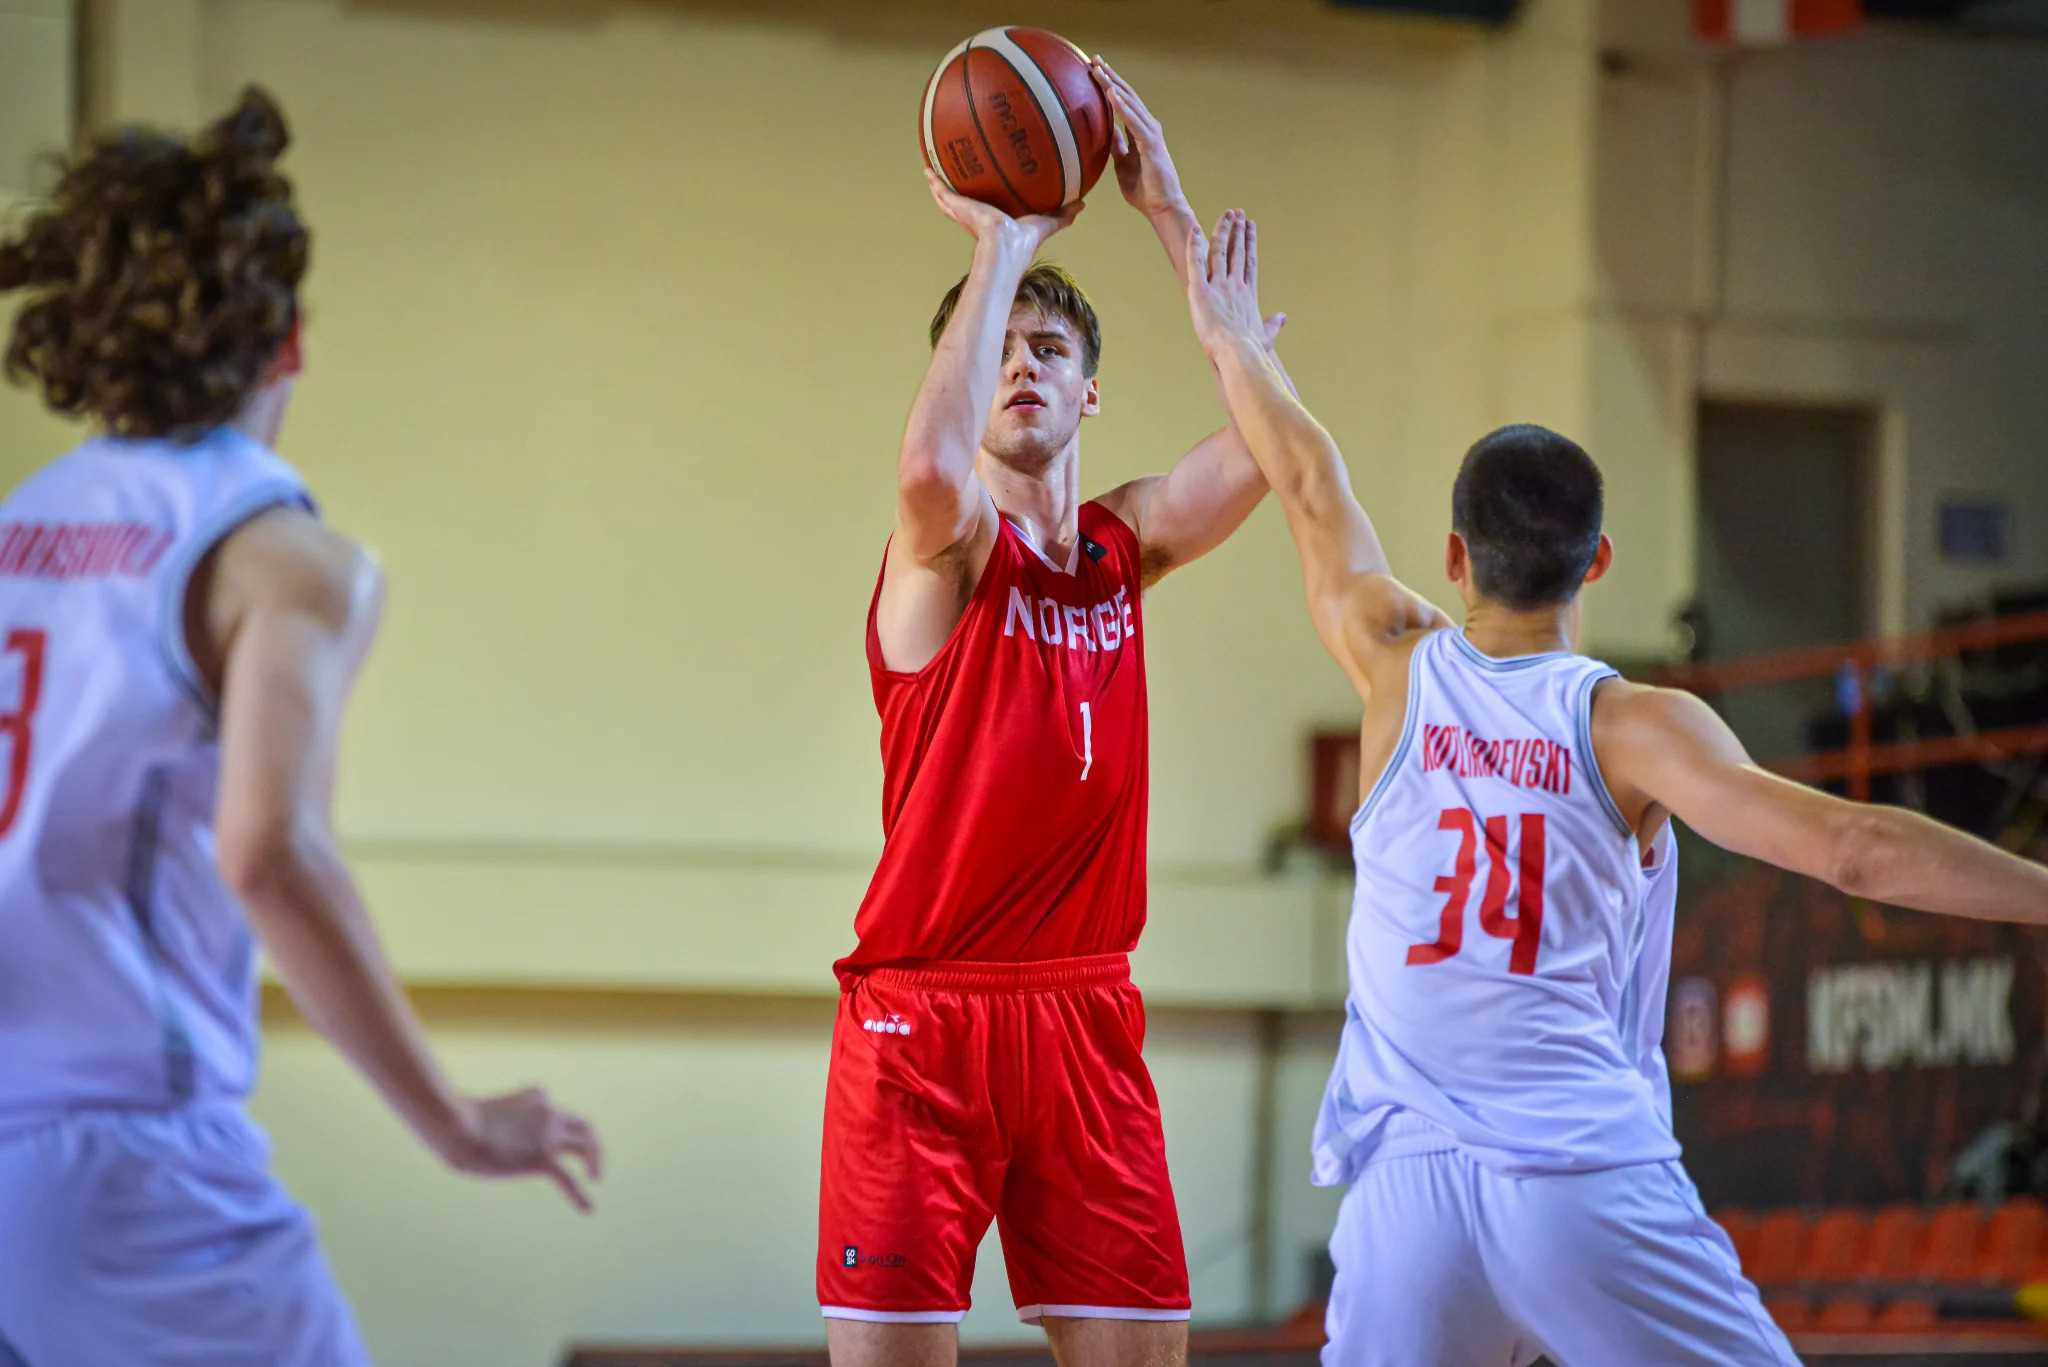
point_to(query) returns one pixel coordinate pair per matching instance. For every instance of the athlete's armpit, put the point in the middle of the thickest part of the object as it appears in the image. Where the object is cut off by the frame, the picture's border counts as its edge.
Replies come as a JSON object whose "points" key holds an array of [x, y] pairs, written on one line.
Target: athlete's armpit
{"points": [[1362, 618], [1182, 515], [922, 599], [1667, 747]]}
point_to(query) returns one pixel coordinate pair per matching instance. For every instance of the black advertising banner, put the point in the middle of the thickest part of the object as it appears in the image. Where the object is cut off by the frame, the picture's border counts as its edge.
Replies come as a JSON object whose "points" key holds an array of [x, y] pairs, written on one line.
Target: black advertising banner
{"points": [[1829, 1051]]}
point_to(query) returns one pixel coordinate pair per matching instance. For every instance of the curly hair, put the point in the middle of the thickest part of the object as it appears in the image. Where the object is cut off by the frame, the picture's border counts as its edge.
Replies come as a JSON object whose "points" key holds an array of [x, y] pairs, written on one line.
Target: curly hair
{"points": [[162, 275]]}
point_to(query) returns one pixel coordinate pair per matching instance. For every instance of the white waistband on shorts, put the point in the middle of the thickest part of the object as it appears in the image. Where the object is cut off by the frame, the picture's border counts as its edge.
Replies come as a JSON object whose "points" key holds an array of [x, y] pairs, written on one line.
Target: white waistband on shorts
{"points": [[1406, 1134]]}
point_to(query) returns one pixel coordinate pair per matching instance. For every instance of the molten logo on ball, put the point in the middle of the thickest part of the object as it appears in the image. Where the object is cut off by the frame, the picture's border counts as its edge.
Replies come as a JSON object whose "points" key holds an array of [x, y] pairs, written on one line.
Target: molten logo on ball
{"points": [[1020, 140], [1013, 118]]}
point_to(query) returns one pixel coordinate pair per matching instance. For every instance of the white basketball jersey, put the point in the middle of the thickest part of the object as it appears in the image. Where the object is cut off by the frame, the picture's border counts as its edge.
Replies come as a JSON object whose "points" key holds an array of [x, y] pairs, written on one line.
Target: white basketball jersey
{"points": [[1509, 946], [127, 972]]}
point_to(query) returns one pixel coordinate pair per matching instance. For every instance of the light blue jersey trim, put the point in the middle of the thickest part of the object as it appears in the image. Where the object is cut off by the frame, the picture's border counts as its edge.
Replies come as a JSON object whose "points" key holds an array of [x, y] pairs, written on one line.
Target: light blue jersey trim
{"points": [[1508, 664], [1582, 710], [1407, 740], [271, 493], [180, 1067]]}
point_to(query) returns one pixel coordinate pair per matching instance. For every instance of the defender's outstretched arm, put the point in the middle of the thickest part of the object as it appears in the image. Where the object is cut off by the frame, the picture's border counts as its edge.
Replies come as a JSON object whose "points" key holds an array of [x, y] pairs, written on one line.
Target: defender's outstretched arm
{"points": [[1678, 752], [1356, 603], [1182, 515]]}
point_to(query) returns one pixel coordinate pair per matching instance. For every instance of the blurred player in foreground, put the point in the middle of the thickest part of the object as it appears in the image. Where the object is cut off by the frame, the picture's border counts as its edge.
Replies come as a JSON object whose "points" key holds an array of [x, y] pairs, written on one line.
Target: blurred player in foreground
{"points": [[179, 634]]}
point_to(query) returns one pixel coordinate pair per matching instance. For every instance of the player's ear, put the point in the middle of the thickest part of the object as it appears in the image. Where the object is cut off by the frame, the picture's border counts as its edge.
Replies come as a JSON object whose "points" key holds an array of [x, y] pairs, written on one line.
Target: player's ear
{"points": [[1091, 398], [1457, 560], [1603, 556], [290, 360]]}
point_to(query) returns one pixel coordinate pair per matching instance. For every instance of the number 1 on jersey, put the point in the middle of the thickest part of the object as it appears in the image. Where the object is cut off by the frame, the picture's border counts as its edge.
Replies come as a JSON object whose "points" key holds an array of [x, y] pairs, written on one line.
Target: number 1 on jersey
{"points": [[1087, 741], [28, 643], [1525, 927]]}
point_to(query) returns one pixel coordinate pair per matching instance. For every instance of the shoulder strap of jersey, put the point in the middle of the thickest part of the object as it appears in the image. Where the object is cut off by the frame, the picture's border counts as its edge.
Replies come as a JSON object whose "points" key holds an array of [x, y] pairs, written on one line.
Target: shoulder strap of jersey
{"points": [[1418, 662], [1110, 533], [247, 479], [1596, 673], [1003, 554]]}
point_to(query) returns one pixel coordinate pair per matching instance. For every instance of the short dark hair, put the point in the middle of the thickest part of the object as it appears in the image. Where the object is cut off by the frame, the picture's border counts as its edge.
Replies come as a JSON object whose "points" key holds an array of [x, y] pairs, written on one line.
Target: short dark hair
{"points": [[162, 275], [1050, 290], [1528, 503]]}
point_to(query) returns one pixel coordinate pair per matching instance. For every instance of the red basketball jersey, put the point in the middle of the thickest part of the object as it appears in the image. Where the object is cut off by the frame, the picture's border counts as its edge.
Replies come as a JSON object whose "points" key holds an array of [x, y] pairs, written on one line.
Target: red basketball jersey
{"points": [[1014, 766]]}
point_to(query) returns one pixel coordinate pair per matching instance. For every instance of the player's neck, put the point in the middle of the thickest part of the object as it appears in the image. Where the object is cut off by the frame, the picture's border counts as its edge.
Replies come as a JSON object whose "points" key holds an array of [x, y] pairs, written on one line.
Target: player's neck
{"points": [[262, 417], [1507, 632], [1047, 504]]}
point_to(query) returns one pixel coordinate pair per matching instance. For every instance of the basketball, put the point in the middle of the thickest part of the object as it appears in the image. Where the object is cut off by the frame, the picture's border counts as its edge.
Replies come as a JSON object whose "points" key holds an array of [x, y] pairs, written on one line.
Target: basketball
{"points": [[1013, 118]]}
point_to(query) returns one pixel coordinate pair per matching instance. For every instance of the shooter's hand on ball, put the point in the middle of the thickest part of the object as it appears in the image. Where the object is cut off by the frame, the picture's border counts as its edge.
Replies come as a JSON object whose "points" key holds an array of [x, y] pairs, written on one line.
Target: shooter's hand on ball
{"points": [[1144, 168], [991, 226], [1149, 180]]}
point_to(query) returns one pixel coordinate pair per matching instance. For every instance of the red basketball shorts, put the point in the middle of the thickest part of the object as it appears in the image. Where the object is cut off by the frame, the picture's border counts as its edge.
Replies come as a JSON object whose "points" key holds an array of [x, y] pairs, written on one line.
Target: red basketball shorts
{"points": [[966, 1092]]}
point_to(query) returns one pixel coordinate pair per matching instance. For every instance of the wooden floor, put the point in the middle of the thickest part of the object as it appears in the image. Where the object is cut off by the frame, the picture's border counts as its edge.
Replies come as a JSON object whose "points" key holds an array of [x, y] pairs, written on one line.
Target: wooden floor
{"points": [[1991, 1347]]}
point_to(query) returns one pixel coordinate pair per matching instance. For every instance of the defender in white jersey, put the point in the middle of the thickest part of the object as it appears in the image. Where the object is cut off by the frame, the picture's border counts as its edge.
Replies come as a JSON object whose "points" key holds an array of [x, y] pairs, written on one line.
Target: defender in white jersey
{"points": [[178, 635], [1499, 1105]]}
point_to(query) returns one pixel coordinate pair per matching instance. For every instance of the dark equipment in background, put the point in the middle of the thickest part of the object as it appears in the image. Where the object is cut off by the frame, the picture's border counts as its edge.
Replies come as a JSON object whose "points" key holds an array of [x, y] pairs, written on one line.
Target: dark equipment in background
{"points": [[1495, 12]]}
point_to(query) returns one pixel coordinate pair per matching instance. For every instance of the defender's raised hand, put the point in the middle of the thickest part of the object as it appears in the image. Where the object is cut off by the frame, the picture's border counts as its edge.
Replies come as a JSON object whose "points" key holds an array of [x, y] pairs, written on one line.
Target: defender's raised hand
{"points": [[1223, 283]]}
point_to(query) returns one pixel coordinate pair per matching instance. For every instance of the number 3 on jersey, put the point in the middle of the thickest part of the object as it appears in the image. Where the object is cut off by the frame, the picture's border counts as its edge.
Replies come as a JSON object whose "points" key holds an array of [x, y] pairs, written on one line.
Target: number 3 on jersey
{"points": [[15, 725], [1525, 927]]}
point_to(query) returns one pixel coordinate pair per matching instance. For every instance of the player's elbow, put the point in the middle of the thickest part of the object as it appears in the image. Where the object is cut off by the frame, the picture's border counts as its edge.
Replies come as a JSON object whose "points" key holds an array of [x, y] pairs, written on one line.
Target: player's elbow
{"points": [[1317, 484], [267, 864], [1863, 853], [924, 477], [919, 475]]}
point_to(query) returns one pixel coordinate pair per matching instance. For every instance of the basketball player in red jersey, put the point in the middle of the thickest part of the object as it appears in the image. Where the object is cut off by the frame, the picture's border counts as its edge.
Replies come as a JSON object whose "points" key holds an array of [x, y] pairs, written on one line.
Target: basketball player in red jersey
{"points": [[986, 1059]]}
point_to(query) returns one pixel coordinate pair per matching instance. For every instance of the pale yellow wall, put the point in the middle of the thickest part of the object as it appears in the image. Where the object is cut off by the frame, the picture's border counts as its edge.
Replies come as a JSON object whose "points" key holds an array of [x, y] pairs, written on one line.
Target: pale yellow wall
{"points": [[36, 99], [36, 92]]}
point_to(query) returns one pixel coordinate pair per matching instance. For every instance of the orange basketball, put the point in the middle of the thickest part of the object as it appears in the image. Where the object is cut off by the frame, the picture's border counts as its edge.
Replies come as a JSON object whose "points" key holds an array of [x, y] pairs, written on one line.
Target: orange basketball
{"points": [[1012, 118]]}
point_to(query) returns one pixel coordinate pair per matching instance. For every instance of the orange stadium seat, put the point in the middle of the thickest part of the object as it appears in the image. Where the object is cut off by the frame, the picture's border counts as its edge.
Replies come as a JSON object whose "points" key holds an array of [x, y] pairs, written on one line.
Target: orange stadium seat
{"points": [[1780, 1249], [1790, 1309], [1846, 1315], [1954, 1242], [1910, 1312], [2014, 1241], [1837, 1248], [1893, 1244], [1740, 1226]]}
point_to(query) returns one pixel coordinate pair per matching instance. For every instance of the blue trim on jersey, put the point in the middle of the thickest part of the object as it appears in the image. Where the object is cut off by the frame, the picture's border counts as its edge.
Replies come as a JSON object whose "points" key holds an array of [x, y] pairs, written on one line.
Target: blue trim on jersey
{"points": [[177, 650], [1582, 708], [1407, 736], [140, 884], [1639, 934], [1512, 662], [180, 1067]]}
